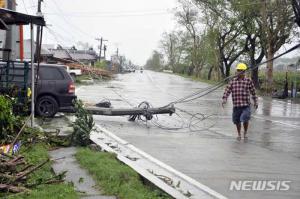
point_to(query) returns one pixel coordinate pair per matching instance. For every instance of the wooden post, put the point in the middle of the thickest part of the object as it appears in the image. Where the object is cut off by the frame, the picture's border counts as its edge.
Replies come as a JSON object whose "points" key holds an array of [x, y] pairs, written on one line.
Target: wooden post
{"points": [[32, 76], [21, 42]]}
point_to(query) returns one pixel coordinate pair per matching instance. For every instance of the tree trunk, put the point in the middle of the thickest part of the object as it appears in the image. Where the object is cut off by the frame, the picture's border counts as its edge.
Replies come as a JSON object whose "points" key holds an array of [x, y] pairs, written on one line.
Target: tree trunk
{"points": [[254, 77], [221, 66], [254, 72], [228, 70], [190, 70], [210, 72], [269, 72]]}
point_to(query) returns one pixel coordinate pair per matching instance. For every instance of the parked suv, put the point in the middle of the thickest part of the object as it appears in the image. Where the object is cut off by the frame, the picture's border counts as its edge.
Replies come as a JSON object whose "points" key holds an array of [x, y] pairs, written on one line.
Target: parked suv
{"points": [[54, 92]]}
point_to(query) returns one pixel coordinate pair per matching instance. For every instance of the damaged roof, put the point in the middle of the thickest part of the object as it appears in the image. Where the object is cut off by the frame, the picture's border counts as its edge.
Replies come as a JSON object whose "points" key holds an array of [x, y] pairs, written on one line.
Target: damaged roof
{"points": [[82, 55], [9, 17], [73, 54], [61, 54]]}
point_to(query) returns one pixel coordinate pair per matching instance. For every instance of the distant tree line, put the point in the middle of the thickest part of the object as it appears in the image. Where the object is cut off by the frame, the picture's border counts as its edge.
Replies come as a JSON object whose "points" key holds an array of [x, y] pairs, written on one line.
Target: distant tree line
{"points": [[213, 35]]}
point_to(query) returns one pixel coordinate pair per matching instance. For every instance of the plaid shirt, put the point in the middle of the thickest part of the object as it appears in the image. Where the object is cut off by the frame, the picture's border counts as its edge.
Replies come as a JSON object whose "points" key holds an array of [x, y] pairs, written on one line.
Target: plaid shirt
{"points": [[241, 90]]}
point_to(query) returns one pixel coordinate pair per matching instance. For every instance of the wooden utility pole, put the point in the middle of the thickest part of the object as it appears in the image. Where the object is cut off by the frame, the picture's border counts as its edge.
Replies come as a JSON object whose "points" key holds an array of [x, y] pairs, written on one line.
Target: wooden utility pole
{"points": [[105, 48], [38, 32], [21, 31], [101, 40]]}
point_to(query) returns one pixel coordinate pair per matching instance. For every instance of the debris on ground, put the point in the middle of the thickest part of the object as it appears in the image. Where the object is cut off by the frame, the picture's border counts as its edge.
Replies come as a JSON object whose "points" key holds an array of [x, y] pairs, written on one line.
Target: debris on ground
{"points": [[104, 104], [94, 72], [15, 171]]}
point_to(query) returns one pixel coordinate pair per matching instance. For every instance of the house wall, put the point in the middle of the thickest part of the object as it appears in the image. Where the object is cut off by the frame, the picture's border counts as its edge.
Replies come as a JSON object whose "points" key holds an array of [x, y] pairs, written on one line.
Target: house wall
{"points": [[10, 39], [3, 4]]}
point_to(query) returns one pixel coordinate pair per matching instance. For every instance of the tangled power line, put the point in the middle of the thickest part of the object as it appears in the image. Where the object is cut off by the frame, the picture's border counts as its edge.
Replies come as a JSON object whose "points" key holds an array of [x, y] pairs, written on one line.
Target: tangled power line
{"points": [[195, 118]]}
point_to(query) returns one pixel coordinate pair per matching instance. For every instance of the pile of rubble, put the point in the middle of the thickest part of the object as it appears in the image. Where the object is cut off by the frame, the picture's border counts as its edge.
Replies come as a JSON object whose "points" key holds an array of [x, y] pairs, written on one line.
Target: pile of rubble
{"points": [[88, 70], [14, 171]]}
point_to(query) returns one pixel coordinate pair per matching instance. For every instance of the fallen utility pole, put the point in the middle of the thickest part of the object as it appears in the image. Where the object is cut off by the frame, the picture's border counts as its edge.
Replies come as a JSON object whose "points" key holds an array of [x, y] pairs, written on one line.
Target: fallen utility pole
{"points": [[133, 111]]}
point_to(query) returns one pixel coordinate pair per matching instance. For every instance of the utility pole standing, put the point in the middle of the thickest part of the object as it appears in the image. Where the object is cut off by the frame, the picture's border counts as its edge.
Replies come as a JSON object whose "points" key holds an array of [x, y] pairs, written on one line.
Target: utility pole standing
{"points": [[101, 40], [38, 31], [105, 48]]}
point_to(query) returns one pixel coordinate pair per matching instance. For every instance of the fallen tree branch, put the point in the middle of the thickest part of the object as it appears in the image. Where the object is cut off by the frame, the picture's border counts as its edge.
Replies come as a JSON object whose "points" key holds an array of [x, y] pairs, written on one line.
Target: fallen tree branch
{"points": [[29, 171], [12, 189]]}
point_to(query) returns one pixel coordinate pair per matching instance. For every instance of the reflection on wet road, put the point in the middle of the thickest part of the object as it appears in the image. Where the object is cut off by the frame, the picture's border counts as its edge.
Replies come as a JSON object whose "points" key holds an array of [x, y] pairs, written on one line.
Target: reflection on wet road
{"points": [[206, 150]]}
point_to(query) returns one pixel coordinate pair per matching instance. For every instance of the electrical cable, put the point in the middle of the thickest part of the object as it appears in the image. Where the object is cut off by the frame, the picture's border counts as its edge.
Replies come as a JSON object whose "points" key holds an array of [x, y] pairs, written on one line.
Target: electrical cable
{"points": [[78, 61], [154, 119], [68, 21], [113, 15], [210, 89], [196, 95], [25, 6]]}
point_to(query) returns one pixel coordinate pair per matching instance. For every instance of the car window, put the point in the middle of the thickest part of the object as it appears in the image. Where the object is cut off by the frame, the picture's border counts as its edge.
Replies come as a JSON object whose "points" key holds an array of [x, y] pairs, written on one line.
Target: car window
{"points": [[48, 73]]}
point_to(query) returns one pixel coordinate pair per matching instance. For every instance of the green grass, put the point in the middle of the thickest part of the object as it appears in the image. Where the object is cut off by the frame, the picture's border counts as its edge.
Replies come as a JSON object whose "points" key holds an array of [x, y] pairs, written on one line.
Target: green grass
{"points": [[195, 78], [37, 154], [61, 191], [279, 79], [115, 178]]}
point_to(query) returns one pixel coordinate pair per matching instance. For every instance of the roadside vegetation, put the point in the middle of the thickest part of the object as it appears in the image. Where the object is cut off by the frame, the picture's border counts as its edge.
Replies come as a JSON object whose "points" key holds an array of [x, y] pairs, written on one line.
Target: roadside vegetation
{"points": [[110, 174], [115, 178], [278, 84], [33, 162], [211, 37], [26, 168], [34, 154], [101, 64], [195, 78], [280, 79]]}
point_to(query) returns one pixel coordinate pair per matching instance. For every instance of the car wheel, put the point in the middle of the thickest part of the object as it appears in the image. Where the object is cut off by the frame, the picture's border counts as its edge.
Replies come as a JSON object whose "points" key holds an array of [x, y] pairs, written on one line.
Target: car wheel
{"points": [[46, 106]]}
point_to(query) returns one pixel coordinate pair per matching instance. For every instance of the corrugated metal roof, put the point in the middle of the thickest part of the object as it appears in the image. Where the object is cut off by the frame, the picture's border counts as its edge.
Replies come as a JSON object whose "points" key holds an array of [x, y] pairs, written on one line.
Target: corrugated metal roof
{"points": [[27, 49], [61, 54], [82, 56]]}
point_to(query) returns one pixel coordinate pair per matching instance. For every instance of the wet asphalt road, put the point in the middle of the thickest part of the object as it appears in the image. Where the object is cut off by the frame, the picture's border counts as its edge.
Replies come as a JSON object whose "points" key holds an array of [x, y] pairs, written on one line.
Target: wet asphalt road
{"points": [[206, 150]]}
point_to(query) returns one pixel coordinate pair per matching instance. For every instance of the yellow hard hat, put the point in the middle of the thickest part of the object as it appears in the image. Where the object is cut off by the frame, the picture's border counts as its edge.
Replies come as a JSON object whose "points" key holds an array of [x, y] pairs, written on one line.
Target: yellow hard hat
{"points": [[241, 66]]}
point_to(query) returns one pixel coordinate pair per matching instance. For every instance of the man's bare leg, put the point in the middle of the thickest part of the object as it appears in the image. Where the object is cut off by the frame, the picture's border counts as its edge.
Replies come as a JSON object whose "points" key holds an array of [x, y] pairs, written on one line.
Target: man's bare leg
{"points": [[238, 128], [246, 125]]}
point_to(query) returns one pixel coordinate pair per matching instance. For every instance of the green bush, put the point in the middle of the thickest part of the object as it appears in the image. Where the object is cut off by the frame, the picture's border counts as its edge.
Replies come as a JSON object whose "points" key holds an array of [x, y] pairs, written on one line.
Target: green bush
{"points": [[83, 125], [279, 79], [102, 64], [8, 120]]}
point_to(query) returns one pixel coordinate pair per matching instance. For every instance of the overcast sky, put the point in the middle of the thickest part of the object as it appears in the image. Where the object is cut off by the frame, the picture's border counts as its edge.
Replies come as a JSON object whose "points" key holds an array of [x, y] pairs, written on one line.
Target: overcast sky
{"points": [[135, 26]]}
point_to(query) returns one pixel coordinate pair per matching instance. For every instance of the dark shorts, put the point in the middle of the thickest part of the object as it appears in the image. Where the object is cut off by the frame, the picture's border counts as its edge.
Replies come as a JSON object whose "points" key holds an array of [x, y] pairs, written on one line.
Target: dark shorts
{"points": [[241, 114]]}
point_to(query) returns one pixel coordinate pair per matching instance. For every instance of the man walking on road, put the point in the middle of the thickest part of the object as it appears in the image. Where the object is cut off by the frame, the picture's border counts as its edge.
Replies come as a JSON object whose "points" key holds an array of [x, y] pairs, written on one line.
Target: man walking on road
{"points": [[241, 88]]}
